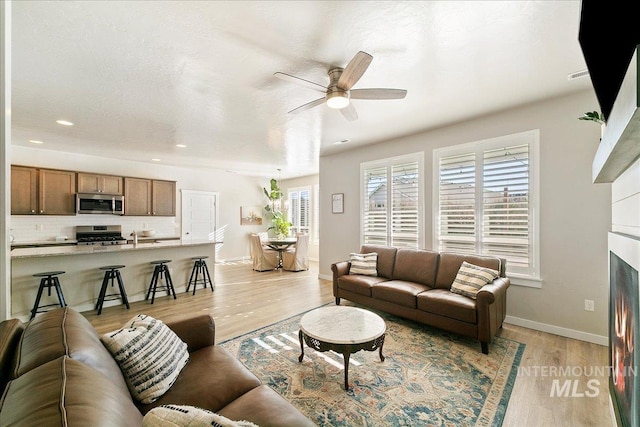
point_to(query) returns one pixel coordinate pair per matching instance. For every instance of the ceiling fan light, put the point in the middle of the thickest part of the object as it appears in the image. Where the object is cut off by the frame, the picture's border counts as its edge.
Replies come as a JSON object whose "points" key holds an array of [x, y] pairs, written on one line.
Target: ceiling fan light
{"points": [[337, 100]]}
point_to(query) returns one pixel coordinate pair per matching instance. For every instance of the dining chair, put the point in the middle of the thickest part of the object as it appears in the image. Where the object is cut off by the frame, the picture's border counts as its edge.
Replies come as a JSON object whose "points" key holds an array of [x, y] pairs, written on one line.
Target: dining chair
{"points": [[263, 259], [298, 258]]}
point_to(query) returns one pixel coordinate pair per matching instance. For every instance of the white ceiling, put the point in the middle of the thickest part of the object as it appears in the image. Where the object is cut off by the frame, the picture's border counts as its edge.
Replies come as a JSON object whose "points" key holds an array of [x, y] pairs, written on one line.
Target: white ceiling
{"points": [[139, 77]]}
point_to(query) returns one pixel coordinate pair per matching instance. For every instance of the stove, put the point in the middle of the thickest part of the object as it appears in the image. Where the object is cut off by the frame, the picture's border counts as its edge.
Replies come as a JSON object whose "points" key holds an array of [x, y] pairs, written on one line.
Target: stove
{"points": [[100, 235]]}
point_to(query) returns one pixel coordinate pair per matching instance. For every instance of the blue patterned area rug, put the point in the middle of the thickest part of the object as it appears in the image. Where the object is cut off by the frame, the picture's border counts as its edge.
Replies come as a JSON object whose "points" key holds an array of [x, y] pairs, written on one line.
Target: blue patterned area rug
{"points": [[428, 378]]}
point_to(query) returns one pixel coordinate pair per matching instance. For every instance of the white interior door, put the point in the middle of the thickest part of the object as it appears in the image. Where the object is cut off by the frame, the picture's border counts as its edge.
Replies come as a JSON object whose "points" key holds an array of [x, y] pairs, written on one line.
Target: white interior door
{"points": [[199, 216]]}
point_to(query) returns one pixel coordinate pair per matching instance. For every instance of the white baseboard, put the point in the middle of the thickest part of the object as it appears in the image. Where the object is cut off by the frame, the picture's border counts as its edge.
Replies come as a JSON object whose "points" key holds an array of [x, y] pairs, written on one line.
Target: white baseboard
{"points": [[558, 330], [325, 277]]}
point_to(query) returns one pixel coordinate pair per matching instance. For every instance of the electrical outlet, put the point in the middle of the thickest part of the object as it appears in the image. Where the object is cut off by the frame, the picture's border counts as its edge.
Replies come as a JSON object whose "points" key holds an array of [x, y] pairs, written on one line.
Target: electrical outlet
{"points": [[39, 227], [589, 305]]}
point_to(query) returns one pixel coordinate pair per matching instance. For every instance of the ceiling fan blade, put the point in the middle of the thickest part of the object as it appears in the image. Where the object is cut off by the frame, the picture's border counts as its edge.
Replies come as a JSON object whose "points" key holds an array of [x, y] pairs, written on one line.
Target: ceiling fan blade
{"points": [[354, 70], [349, 112], [297, 80], [377, 93], [308, 106]]}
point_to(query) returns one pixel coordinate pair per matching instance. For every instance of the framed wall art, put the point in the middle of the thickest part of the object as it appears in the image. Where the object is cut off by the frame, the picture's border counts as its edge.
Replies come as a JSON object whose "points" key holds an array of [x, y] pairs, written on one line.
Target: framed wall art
{"points": [[337, 203]]}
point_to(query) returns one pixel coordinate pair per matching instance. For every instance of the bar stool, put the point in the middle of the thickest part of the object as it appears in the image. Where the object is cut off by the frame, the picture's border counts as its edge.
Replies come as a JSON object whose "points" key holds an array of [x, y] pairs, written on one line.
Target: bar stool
{"points": [[49, 279], [111, 273], [161, 271], [200, 267]]}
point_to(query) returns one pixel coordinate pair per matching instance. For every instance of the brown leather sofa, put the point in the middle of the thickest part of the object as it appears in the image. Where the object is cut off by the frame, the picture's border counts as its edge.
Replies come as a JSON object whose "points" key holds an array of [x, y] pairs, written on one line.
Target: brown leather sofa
{"points": [[415, 284], [55, 371]]}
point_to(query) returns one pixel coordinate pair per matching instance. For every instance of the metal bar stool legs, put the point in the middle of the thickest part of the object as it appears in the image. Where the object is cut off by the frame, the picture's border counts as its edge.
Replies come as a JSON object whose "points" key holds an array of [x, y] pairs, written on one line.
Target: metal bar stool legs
{"points": [[48, 279], [111, 274], [160, 271], [199, 267]]}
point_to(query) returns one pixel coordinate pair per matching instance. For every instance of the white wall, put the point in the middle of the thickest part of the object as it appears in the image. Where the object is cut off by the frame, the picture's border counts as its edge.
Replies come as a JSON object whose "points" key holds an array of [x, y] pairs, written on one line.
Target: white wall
{"points": [[574, 213], [235, 191]]}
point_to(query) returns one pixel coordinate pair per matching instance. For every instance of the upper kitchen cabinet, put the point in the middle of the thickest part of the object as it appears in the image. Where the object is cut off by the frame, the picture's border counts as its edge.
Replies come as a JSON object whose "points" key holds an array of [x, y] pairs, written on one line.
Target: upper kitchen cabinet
{"points": [[149, 197], [24, 190], [42, 191], [106, 184]]}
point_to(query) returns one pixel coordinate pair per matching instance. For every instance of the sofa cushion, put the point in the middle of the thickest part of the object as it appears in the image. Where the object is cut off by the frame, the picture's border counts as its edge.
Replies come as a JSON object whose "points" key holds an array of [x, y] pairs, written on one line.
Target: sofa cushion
{"points": [[471, 278], [418, 266], [398, 292], [211, 380], [66, 392], [359, 284], [450, 264], [149, 354], [267, 408], [448, 304], [364, 264], [10, 333], [386, 258], [185, 415], [61, 332]]}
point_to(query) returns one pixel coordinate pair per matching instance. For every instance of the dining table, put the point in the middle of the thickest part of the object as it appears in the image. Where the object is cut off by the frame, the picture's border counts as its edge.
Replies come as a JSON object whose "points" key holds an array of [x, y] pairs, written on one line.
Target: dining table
{"points": [[281, 245]]}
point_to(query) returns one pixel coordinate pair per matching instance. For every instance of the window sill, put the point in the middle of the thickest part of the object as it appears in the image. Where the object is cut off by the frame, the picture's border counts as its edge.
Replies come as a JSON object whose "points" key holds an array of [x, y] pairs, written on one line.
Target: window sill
{"points": [[526, 281]]}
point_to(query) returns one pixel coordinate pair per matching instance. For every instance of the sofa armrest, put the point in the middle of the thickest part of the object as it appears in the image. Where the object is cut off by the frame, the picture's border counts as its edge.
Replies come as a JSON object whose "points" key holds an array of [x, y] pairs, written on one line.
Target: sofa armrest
{"points": [[198, 332], [491, 304], [339, 268]]}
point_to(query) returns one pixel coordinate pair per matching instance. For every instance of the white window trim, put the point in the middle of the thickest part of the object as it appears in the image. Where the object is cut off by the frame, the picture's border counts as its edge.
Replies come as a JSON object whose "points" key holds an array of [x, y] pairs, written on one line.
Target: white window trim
{"points": [[413, 157], [534, 280]]}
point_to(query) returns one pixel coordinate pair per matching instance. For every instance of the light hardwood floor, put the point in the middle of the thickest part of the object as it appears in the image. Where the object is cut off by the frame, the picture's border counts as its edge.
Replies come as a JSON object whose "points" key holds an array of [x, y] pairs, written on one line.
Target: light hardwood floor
{"points": [[245, 300]]}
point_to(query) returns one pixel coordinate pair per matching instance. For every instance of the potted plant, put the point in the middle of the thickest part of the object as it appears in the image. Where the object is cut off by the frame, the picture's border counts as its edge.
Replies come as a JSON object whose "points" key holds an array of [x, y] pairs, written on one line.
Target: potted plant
{"points": [[280, 225], [594, 116]]}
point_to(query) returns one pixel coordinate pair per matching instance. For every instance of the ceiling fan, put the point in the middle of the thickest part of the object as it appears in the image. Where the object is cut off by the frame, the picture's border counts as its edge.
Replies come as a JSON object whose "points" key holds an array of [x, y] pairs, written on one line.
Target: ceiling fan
{"points": [[339, 92]]}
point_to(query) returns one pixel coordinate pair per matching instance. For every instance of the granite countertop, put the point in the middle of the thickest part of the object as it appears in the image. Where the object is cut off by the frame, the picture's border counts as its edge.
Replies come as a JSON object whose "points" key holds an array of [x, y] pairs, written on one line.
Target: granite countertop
{"points": [[43, 251]]}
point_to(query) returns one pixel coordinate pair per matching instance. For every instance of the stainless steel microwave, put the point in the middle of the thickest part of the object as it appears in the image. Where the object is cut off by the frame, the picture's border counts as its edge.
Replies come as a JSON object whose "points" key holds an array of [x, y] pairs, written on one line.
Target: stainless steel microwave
{"points": [[99, 204]]}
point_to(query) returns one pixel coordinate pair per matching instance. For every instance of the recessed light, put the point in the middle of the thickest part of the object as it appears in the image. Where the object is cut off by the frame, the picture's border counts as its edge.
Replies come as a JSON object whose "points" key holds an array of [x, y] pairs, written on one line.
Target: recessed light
{"points": [[155, 160], [35, 141], [344, 141], [181, 145], [64, 122]]}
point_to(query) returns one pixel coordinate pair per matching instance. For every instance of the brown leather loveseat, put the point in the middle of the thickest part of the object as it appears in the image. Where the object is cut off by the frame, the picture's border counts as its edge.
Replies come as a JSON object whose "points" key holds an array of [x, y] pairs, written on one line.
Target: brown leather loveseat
{"points": [[56, 371], [415, 284]]}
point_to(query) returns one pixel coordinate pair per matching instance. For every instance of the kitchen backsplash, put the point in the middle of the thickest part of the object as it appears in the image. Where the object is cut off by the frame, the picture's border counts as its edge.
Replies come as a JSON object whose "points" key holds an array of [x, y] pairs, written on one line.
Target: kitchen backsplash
{"points": [[35, 228]]}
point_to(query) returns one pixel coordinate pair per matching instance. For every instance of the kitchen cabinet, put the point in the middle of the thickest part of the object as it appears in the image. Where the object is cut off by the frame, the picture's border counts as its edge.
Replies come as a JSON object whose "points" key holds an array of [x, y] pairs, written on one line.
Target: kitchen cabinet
{"points": [[42, 191], [149, 197], [92, 183], [24, 190]]}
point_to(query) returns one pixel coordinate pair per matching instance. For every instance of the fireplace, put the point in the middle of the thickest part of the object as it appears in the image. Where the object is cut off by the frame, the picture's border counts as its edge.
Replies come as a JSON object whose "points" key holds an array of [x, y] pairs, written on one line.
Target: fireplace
{"points": [[624, 328]]}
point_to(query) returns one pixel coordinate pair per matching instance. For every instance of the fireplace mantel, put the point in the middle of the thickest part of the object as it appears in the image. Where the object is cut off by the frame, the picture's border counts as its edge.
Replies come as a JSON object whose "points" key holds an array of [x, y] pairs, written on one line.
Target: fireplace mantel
{"points": [[620, 145]]}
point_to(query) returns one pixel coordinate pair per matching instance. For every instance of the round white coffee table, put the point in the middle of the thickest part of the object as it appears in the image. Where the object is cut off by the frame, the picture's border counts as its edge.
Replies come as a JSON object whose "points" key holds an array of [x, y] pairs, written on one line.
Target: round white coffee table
{"points": [[345, 330]]}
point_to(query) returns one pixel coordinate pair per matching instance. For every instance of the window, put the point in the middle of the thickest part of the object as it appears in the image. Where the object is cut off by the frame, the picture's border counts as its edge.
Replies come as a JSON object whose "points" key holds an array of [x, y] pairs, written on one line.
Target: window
{"points": [[300, 210], [486, 200], [391, 200]]}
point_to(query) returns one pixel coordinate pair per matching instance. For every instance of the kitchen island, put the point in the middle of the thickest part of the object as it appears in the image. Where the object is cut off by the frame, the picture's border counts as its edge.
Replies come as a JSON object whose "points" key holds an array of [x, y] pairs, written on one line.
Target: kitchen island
{"points": [[83, 277]]}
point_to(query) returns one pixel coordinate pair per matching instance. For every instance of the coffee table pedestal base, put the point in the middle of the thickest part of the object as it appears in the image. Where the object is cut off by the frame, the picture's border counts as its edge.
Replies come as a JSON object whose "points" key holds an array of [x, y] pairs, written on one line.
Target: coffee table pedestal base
{"points": [[345, 349]]}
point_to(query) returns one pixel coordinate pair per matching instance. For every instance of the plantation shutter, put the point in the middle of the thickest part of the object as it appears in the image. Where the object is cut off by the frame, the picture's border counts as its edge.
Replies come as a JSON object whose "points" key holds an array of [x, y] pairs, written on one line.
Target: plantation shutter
{"points": [[487, 196], [505, 221], [294, 211], [404, 205], [457, 204], [375, 218], [304, 211]]}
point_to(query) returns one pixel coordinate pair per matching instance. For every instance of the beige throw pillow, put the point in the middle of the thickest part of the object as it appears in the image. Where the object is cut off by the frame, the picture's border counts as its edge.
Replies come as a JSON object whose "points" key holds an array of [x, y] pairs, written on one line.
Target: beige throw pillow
{"points": [[471, 278], [150, 356], [365, 264]]}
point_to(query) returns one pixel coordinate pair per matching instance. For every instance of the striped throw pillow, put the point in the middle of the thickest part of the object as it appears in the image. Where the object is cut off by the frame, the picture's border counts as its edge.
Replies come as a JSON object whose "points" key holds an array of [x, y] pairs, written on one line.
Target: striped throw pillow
{"points": [[365, 264], [184, 415], [150, 356], [471, 278]]}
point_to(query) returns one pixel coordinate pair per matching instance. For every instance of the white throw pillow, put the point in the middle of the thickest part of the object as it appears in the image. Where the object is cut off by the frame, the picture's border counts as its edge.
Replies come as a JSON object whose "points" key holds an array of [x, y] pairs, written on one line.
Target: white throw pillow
{"points": [[188, 416], [471, 278], [150, 356], [365, 264]]}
